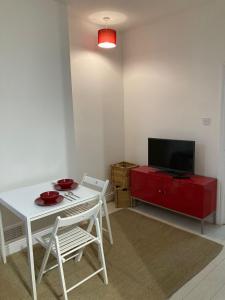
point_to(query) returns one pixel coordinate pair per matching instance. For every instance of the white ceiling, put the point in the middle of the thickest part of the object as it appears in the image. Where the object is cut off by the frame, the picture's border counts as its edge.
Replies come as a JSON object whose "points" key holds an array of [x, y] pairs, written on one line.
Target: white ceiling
{"points": [[137, 11]]}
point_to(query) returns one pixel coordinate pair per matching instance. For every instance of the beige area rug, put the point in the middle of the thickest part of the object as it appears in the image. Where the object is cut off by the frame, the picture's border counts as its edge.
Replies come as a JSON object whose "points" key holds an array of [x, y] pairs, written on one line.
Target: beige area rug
{"points": [[149, 260]]}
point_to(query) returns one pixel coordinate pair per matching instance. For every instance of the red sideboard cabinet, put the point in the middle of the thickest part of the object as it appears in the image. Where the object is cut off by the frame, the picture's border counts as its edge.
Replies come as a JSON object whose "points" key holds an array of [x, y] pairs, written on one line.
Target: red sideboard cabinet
{"points": [[194, 197]]}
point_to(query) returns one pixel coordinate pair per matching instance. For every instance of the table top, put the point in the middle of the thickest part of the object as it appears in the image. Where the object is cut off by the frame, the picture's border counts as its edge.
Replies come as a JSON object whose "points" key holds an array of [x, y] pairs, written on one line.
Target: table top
{"points": [[21, 200]]}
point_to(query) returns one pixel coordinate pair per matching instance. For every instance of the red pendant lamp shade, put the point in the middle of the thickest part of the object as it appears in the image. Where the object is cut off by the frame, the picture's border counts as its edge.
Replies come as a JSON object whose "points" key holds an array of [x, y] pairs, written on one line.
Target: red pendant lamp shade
{"points": [[107, 38]]}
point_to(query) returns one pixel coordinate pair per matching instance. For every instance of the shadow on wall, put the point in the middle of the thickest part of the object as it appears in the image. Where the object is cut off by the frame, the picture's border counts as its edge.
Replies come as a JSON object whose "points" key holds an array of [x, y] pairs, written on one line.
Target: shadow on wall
{"points": [[98, 112], [97, 100], [68, 100]]}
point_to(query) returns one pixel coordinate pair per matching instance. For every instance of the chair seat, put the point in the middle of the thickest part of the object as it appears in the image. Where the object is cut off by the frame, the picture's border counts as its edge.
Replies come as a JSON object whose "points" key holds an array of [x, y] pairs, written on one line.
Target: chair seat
{"points": [[69, 239]]}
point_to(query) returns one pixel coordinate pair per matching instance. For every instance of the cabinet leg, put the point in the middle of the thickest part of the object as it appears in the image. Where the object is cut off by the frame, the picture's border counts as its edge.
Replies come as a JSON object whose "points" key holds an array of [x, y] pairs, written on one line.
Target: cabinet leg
{"points": [[214, 218], [133, 202], [202, 226]]}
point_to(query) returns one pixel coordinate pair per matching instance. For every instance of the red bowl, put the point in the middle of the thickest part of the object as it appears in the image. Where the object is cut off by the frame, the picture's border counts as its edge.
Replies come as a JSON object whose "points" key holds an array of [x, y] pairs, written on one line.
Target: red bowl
{"points": [[65, 183], [49, 197]]}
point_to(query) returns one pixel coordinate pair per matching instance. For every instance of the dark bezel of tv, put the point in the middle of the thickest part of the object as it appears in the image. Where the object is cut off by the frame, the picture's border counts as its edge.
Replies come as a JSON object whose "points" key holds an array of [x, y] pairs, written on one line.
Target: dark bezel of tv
{"points": [[183, 161]]}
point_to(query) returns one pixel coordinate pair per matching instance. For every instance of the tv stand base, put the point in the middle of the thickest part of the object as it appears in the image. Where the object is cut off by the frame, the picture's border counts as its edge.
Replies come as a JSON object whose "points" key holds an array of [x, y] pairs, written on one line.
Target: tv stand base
{"points": [[202, 221], [181, 176], [176, 175]]}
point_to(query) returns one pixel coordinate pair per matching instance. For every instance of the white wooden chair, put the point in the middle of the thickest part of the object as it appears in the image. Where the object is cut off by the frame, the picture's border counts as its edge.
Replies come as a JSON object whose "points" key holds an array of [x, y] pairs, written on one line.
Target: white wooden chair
{"points": [[65, 241], [100, 186]]}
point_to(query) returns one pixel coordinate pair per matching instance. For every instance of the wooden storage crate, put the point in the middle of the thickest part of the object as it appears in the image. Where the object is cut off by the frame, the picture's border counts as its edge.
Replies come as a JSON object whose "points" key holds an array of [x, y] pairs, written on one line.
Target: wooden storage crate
{"points": [[120, 174], [122, 198]]}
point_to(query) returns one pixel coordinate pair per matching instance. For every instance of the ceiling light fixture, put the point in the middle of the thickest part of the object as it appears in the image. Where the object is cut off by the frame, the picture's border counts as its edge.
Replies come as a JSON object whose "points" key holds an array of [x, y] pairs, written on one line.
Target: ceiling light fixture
{"points": [[107, 36]]}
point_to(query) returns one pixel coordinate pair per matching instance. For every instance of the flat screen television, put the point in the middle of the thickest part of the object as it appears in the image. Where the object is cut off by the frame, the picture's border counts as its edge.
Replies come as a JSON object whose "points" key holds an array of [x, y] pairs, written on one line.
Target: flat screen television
{"points": [[174, 156]]}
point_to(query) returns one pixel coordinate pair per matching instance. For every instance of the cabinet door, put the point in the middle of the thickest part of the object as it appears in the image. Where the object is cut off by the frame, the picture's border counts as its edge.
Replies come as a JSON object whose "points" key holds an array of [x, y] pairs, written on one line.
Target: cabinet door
{"points": [[146, 187], [184, 196]]}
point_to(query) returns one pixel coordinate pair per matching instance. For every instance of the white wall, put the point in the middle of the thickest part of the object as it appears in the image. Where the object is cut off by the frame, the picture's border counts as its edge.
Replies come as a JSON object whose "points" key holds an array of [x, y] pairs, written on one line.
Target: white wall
{"points": [[97, 98], [36, 118], [172, 79]]}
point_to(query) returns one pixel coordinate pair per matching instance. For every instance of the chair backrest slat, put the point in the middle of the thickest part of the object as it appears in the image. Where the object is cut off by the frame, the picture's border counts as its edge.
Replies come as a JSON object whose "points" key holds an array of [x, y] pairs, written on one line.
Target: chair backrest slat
{"points": [[95, 183], [83, 216]]}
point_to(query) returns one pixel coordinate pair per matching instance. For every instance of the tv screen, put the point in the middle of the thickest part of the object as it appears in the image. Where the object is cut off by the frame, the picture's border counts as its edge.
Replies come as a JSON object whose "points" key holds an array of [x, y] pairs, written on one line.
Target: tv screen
{"points": [[171, 155]]}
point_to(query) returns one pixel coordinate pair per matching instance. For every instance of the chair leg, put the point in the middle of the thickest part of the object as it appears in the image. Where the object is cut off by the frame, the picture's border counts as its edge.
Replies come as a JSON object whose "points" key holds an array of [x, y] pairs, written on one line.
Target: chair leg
{"points": [[61, 275], [101, 229], [100, 221], [44, 263], [102, 259], [108, 221], [101, 253]]}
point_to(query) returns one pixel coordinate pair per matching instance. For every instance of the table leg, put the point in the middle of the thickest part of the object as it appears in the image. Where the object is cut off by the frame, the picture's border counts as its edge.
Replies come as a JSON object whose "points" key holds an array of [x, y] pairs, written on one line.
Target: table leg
{"points": [[2, 240], [31, 259]]}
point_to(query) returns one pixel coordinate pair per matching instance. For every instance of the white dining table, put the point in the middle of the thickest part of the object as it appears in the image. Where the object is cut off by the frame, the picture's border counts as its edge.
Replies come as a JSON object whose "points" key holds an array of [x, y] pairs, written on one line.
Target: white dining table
{"points": [[21, 203]]}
